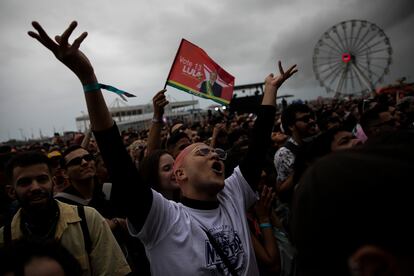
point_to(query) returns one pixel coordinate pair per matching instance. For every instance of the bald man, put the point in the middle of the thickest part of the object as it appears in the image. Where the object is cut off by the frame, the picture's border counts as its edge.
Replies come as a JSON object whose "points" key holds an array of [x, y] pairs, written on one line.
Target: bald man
{"points": [[205, 234]]}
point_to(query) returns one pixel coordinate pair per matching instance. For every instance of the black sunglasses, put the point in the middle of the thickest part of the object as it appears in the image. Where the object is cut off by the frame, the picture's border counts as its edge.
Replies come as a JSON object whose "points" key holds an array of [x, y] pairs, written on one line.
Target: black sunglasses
{"points": [[78, 160], [222, 154]]}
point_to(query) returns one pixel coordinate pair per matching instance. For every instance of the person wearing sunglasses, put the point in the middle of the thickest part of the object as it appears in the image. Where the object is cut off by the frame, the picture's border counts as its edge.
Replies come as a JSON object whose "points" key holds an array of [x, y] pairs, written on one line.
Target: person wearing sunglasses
{"points": [[84, 189], [299, 123], [79, 167], [42, 219], [207, 232]]}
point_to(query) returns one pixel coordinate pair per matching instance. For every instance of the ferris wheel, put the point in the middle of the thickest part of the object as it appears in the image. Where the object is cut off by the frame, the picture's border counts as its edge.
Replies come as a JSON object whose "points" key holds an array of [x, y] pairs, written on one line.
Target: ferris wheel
{"points": [[352, 57]]}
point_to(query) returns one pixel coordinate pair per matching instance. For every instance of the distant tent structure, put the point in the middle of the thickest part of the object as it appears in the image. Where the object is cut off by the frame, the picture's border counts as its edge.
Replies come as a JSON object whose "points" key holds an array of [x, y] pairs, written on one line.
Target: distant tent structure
{"points": [[249, 103]]}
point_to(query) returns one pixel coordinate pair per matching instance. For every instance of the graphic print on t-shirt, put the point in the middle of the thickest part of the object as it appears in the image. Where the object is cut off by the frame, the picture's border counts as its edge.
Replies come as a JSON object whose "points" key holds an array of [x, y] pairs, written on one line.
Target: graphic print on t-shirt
{"points": [[232, 247]]}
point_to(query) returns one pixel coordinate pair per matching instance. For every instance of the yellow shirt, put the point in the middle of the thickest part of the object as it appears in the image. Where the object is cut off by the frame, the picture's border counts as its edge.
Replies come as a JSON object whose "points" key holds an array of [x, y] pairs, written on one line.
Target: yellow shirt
{"points": [[106, 257]]}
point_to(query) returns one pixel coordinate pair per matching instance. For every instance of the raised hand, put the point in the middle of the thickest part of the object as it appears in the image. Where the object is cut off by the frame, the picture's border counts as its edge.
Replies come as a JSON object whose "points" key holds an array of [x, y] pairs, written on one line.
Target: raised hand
{"points": [[218, 128], [68, 54], [272, 82], [264, 204], [159, 101]]}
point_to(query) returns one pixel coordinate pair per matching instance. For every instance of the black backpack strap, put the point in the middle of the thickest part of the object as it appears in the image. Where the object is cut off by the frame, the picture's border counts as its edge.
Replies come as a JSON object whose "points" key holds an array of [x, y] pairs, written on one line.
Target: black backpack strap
{"points": [[221, 253], [292, 147], [85, 230]]}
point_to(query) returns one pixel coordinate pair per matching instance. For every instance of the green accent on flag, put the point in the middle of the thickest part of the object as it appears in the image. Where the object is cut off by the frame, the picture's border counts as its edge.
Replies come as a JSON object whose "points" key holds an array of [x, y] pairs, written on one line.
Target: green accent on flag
{"points": [[209, 88], [197, 93]]}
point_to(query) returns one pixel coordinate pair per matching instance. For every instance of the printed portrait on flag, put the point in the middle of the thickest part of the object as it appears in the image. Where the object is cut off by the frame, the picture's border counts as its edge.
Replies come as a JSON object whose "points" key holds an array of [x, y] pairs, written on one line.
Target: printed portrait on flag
{"points": [[212, 85], [193, 71]]}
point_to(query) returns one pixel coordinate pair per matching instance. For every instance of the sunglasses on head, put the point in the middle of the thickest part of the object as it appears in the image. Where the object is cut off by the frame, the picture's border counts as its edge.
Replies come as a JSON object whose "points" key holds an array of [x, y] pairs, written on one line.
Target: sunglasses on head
{"points": [[78, 160], [222, 154]]}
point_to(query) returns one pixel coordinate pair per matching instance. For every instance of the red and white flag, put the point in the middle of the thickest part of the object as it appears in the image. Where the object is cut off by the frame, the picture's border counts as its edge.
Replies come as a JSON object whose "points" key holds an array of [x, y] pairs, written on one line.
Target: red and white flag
{"points": [[193, 71]]}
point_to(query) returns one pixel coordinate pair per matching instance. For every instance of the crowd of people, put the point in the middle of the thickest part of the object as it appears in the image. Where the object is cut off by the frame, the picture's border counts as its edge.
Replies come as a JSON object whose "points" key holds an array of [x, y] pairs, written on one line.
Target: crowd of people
{"points": [[314, 188]]}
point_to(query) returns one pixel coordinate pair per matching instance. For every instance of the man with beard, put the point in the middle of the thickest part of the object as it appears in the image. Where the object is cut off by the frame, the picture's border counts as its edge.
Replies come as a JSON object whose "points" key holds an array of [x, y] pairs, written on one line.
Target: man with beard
{"points": [[42, 219], [84, 189], [299, 123]]}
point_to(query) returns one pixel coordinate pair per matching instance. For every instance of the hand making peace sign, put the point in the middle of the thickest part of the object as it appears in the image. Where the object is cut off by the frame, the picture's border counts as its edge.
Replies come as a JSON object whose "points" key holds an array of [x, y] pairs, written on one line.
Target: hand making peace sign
{"points": [[68, 54], [274, 82]]}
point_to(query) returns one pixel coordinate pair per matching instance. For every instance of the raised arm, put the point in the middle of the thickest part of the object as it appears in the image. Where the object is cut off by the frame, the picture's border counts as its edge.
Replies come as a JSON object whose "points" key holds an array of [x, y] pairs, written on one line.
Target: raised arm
{"points": [[216, 130], [259, 142], [273, 83], [154, 137], [86, 140], [127, 192], [267, 250], [75, 60]]}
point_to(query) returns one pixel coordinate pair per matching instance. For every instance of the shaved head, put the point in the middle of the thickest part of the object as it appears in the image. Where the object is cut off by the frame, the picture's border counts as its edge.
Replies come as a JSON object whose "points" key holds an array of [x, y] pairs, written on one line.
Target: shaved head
{"points": [[183, 154]]}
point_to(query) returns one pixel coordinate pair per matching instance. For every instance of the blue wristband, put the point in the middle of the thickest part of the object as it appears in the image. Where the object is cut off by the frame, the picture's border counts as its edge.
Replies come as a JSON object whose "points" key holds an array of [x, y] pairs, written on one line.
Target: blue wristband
{"points": [[91, 87], [96, 86], [265, 225]]}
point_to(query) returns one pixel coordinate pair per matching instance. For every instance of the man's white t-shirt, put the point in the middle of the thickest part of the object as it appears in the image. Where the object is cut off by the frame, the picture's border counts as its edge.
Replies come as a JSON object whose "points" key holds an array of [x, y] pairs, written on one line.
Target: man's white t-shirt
{"points": [[176, 243]]}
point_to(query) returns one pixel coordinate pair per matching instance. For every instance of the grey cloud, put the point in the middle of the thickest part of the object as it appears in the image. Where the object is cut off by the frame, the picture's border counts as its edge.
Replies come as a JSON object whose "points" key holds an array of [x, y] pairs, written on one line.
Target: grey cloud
{"points": [[300, 43], [132, 44]]}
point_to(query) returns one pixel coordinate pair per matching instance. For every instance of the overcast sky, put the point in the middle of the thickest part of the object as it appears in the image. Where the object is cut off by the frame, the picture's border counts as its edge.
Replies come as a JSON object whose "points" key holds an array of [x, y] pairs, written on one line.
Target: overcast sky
{"points": [[132, 44]]}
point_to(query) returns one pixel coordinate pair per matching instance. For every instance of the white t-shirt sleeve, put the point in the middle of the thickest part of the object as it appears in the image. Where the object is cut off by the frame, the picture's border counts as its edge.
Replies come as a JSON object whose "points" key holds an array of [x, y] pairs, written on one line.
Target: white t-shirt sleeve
{"points": [[283, 161], [239, 189], [162, 216]]}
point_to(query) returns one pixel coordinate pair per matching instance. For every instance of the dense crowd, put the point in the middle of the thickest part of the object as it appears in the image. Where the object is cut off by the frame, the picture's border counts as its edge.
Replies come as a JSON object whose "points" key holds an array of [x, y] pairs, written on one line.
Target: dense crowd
{"points": [[311, 188]]}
